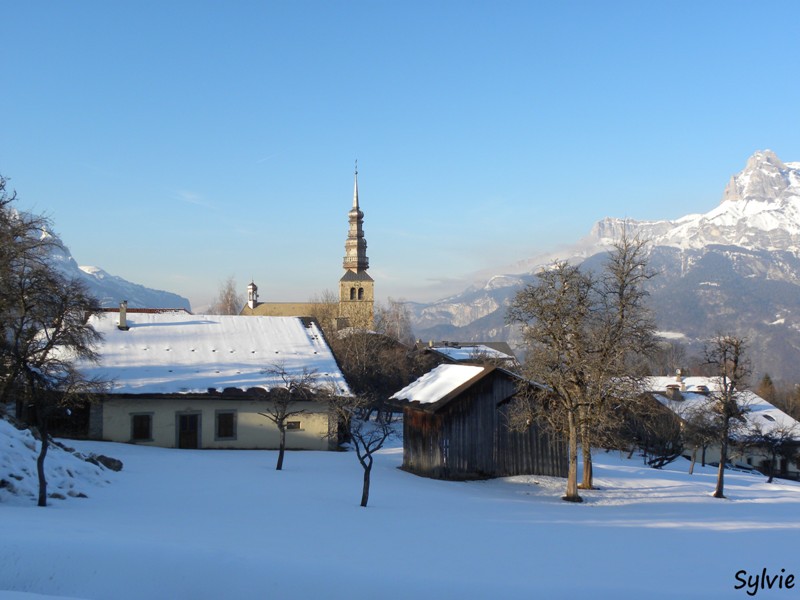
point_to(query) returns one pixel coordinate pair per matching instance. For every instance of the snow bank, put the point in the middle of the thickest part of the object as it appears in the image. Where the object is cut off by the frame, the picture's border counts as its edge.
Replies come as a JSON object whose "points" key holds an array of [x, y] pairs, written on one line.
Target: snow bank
{"points": [[68, 474]]}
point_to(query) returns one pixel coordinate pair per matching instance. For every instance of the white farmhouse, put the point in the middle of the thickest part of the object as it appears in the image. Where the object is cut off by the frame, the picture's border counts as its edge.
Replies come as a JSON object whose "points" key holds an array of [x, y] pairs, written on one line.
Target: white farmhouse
{"points": [[687, 396], [195, 381]]}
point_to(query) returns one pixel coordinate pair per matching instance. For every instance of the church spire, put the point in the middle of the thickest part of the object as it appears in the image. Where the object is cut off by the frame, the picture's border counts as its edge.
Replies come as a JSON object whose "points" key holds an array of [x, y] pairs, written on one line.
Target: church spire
{"points": [[355, 189], [356, 287], [355, 246]]}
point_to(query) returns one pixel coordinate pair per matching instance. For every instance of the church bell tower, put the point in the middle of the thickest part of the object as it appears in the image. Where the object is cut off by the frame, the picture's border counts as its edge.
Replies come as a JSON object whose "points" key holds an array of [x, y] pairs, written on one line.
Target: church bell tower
{"points": [[356, 287]]}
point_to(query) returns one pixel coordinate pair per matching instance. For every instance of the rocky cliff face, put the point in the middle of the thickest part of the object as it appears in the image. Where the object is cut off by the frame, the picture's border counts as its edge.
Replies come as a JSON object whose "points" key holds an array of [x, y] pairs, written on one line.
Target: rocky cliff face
{"points": [[735, 268]]}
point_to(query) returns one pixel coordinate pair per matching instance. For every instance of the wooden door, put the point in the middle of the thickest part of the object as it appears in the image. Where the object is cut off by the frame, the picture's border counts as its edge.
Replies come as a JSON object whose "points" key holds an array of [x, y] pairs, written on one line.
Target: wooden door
{"points": [[188, 431]]}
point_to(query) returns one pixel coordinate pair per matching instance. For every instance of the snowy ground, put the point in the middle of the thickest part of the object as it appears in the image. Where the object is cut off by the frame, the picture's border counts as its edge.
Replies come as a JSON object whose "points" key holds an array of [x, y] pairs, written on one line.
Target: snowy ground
{"points": [[208, 524]]}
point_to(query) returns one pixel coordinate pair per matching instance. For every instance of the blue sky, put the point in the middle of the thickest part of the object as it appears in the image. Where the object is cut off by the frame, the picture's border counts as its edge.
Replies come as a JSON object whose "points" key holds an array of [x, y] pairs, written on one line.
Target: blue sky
{"points": [[178, 143]]}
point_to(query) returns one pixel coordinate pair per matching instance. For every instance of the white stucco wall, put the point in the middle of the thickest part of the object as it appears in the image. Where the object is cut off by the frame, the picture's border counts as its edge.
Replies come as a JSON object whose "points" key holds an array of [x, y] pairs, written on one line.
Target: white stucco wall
{"points": [[252, 429]]}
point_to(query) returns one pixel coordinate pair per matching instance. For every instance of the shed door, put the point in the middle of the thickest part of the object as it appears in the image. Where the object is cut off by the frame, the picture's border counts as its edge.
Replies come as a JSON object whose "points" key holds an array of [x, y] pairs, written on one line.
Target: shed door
{"points": [[188, 431]]}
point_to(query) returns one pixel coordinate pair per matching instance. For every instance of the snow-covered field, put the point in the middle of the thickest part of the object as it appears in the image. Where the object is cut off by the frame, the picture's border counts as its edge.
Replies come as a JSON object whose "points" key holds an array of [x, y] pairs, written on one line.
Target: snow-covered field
{"points": [[208, 524]]}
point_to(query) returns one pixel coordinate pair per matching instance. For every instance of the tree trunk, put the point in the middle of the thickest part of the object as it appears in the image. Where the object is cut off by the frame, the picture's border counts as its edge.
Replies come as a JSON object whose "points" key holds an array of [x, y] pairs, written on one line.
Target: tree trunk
{"points": [[365, 487], [694, 460], [771, 468], [572, 474], [703, 459], [586, 449], [588, 472], [281, 449], [40, 464], [723, 458]]}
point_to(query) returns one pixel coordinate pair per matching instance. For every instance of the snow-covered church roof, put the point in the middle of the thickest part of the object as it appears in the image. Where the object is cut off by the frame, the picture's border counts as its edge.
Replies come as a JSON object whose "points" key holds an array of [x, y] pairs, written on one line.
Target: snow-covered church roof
{"points": [[176, 352]]}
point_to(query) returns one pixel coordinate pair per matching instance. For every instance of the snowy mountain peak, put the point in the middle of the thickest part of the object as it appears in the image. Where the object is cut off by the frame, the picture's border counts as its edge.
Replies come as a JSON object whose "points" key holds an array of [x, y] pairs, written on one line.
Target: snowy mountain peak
{"points": [[109, 289], [760, 209], [765, 178]]}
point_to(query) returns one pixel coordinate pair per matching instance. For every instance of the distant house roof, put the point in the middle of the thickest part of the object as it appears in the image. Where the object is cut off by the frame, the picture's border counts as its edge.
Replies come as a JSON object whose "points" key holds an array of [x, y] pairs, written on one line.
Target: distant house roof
{"points": [[694, 393], [148, 310], [176, 352], [499, 352]]}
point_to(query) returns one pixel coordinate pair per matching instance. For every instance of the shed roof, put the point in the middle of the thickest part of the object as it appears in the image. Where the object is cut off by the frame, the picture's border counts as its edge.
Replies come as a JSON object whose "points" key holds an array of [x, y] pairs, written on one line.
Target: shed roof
{"points": [[441, 384], [176, 352]]}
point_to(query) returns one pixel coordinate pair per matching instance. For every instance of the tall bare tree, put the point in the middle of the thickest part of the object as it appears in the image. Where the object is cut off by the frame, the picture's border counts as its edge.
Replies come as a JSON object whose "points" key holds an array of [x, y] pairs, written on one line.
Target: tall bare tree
{"points": [[229, 301], [44, 326], [725, 354], [585, 338], [284, 400]]}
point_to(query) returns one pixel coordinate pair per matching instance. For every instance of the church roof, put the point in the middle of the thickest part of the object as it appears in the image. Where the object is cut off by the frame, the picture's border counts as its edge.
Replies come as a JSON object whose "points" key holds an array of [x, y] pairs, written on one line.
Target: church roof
{"points": [[360, 276]]}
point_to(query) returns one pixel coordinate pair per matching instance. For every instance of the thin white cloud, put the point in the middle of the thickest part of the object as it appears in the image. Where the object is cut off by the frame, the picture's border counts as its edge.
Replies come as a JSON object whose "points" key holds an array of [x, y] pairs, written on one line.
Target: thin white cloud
{"points": [[193, 198], [265, 159]]}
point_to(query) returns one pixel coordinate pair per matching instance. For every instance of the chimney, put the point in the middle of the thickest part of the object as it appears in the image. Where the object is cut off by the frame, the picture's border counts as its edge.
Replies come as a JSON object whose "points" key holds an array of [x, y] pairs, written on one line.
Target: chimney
{"points": [[679, 379], [674, 392], [123, 316]]}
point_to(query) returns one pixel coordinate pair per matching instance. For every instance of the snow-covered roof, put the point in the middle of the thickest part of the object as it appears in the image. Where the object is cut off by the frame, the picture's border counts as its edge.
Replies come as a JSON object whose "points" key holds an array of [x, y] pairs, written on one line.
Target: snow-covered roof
{"points": [[182, 353], [438, 383], [694, 394], [463, 353]]}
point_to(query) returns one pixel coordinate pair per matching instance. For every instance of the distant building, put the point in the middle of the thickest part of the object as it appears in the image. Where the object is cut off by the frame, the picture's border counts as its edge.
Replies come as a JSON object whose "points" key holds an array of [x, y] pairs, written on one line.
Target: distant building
{"points": [[496, 353], [356, 303]]}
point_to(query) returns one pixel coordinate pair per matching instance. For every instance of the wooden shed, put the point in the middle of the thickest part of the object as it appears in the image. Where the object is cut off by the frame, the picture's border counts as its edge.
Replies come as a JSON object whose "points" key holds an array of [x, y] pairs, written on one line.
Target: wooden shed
{"points": [[455, 427]]}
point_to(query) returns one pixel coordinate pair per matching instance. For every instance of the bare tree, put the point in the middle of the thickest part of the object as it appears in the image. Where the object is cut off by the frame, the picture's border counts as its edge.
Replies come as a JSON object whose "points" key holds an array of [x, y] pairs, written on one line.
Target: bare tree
{"points": [[394, 320], [229, 301], [701, 429], [585, 337], [766, 389], [44, 327], [284, 399], [725, 355], [368, 432], [623, 345], [376, 365], [325, 309], [776, 440], [667, 357], [654, 429]]}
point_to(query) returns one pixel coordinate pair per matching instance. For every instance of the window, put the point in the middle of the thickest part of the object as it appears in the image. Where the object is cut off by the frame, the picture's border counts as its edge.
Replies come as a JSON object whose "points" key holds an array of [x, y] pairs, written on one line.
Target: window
{"points": [[352, 293], [226, 425], [293, 425], [360, 293], [142, 428]]}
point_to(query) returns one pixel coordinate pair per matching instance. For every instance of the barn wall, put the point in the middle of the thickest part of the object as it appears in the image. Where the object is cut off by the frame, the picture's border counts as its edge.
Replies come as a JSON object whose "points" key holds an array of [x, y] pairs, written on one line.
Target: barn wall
{"points": [[469, 438]]}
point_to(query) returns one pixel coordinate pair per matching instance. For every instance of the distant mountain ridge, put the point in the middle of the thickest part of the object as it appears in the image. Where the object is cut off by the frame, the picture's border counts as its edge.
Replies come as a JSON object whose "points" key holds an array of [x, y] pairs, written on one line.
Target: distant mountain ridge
{"points": [[109, 289], [735, 268]]}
